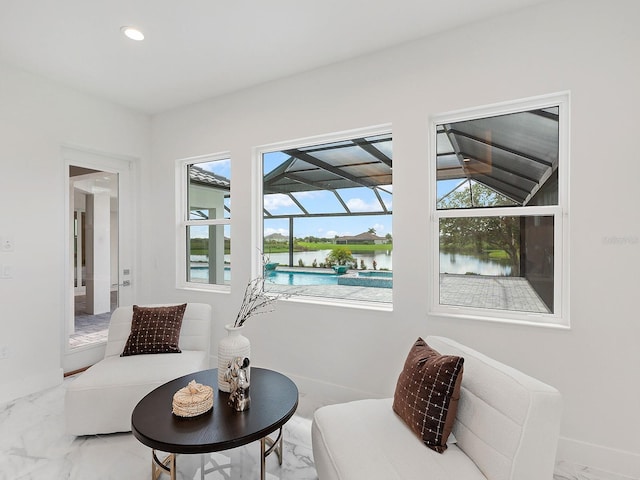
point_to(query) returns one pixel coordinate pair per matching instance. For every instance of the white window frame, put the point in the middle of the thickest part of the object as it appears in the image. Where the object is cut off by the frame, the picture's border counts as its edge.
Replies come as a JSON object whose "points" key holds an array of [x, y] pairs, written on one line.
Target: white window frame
{"points": [[258, 216], [183, 222], [560, 316]]}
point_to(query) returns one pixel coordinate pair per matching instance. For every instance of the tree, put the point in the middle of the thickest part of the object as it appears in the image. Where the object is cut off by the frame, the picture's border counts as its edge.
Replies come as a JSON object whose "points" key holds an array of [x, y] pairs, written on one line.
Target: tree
{"points": [[340, 256], [372, 230], [476, 235]]}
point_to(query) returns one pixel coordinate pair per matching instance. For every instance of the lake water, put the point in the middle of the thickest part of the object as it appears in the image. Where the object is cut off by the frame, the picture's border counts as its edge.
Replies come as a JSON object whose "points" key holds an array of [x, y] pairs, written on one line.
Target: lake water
{"points": [[463, 264]]}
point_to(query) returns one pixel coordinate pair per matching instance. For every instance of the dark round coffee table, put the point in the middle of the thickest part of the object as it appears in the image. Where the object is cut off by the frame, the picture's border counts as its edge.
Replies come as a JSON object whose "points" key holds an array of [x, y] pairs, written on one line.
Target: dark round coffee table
{"points": [[274, 399]]}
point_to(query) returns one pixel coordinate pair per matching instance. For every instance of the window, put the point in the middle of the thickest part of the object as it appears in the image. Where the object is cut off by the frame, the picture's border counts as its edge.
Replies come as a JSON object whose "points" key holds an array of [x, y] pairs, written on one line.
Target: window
{"points": [[204, 238], [499, 212], [327, 218]]}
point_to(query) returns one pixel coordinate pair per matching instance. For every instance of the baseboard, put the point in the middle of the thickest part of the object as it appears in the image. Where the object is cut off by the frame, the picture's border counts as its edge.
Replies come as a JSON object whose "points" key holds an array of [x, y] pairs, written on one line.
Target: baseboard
{"points": [[30, 384], [621, 463]]}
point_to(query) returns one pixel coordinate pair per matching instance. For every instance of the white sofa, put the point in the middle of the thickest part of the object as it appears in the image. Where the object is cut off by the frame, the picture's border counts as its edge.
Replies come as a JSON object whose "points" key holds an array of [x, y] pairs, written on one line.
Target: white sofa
{"points": [[101, 399], [507, 427]]}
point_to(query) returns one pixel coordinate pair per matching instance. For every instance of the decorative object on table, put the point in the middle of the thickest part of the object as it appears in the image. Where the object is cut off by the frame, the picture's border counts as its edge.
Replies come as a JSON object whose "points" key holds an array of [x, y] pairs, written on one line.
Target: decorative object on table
{"points": [[193, 400], [237, 376], [233, 345], [256, 301]]}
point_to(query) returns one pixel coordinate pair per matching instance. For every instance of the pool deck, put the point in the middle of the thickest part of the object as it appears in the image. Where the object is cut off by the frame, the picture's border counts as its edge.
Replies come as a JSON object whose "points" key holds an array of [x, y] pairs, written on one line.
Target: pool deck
{"points": [[501, 293], [90, 328]]}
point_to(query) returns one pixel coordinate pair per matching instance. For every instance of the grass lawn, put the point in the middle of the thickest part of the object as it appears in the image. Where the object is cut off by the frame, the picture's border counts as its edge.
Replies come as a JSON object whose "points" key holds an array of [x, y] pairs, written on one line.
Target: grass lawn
{"points": [[313, 246], [498, 254]]}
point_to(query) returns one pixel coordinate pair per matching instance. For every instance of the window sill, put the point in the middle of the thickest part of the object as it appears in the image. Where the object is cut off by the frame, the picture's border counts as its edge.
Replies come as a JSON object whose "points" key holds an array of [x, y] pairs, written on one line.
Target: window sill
{"points": [[335, 302], [512, 318], [191, 287]]}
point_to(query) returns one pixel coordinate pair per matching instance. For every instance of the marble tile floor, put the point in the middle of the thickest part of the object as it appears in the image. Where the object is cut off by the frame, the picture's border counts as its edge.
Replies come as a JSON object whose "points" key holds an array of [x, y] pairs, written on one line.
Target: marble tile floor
{"points": [[33, 445]]}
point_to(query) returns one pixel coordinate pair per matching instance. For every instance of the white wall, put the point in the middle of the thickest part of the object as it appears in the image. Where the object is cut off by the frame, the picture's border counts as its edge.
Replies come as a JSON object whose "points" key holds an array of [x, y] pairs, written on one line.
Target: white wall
{"points": [[36, 118], [591, 48], [588, 47]]}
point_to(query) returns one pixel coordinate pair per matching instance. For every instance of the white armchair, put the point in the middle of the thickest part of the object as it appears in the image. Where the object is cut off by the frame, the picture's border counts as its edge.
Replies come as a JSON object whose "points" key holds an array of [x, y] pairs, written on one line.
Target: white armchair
{"points": [[102, 398]]}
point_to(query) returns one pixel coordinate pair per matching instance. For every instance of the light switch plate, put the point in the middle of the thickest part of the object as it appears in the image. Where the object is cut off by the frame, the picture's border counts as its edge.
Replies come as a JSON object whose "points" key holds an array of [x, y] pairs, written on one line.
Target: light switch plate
{"points": [[6, 271]]}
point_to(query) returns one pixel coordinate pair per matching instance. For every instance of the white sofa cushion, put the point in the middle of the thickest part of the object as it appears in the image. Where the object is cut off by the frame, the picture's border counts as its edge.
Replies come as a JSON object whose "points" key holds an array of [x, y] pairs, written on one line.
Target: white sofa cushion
{"points": [[366, 440]]}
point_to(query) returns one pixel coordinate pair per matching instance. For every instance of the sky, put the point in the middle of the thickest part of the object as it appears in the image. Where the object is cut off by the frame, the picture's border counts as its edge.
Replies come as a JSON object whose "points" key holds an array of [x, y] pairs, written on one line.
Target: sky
{"points": [[330, 227], [324, 201], [357, 199]]}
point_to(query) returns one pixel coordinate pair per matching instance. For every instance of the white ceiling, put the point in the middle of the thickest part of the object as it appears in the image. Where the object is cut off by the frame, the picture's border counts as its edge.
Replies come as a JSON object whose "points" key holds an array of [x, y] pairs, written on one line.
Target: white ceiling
{"points": [[196, 49]]}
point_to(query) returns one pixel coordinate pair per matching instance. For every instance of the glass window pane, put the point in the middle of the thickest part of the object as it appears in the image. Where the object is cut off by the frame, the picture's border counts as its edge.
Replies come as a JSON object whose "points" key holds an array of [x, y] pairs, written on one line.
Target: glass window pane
{"points": [[382, 143], [276, 238], [513, 155], [208, 254], [280, 204], [319, 199], [209, 190], [360, 199], [272, 160], [499, 262], [469, 194]]}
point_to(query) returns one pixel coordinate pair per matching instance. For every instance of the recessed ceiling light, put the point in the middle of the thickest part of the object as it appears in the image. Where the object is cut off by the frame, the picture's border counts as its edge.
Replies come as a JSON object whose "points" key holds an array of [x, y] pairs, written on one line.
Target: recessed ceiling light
{"points": [[132, 33]]}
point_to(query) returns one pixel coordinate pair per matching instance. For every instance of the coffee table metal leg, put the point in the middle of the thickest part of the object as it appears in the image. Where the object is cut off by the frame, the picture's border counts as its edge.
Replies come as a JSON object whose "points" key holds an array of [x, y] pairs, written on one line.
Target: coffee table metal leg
{"points": [[168, 465], [273, 446]]}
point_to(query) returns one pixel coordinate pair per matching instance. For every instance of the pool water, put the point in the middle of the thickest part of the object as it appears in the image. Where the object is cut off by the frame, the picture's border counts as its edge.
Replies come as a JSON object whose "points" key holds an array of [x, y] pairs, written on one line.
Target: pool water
{"points": [[301, 278], [200, 274], [376, 273], [369, 278]]}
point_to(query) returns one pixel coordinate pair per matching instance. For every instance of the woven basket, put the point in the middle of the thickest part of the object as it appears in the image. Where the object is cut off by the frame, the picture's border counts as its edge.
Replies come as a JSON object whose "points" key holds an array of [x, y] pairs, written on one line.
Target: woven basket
{"points": [[192, 400]]}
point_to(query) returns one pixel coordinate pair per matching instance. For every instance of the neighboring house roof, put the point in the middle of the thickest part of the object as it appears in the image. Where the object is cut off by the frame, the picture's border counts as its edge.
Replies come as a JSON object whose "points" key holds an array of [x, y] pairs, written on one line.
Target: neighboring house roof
{"points": [[276, 237], [199, 175], [365, 236]]}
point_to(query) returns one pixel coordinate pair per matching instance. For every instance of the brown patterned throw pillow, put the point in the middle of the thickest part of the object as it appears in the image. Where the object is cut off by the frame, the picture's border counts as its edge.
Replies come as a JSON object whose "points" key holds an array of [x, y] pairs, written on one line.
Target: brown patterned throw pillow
{"points": [[427, 393], [155, 330]]}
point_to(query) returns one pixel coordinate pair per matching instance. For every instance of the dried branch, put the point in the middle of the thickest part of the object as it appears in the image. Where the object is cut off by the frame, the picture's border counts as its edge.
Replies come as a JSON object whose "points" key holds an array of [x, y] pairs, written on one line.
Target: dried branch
{"points": [[256, 301]]}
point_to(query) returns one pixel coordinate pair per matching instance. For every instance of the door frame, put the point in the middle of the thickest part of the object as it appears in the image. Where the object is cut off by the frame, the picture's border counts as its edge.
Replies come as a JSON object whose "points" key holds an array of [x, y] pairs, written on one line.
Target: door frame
{"points": [[126, 168]]}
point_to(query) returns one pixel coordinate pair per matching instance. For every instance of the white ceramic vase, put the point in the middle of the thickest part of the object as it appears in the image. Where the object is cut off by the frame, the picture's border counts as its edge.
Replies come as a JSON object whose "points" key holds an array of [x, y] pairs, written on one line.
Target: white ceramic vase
{"points": [[233, 345]]}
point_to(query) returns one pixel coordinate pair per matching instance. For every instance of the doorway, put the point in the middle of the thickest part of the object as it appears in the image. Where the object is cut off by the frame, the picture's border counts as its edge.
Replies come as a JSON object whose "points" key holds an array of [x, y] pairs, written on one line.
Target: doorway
{"points": [[95, 254], [99, 252]]}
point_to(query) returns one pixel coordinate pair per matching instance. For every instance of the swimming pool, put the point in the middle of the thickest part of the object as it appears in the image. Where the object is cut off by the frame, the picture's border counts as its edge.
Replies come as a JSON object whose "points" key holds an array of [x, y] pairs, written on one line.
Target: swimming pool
{"points": [[200, 274], [283, 277], [353, 278], [368, 278]]}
